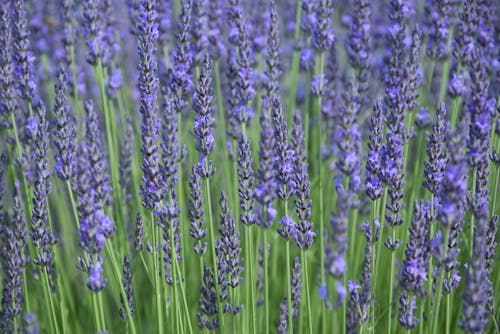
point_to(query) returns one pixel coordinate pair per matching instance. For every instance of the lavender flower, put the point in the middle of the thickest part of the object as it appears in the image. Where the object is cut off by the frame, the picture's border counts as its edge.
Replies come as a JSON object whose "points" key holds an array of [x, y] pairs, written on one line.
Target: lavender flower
{"points": [[374, 186], [238, 36], [295, 283], [283, 152], [169, 144], [129, 290], [283, 317], [12, 263], [169, 223], [148, 86], [93, 32], [197, 230], [337, 247], [273, 71], [207, 315], [139, 233], [40, 233], [180, 83], [433, 168], [359, 42], [453, 197], [96, 158], [322, 35], [305, 236], [353, 314], [229, 252], [7, 83], [22, 56], [348, 138], [396, 102], [204, 121], [413, 69], [215, 17], [414, 271], [265, 191], [474, 315], [246, 188], [64, 132], [96, 282], [407, 306], [439, 12]]}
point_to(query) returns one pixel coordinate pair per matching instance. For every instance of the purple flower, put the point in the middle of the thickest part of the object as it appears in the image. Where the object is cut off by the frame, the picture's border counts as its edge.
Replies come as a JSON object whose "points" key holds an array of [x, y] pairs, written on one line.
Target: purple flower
{"points": [[207, 315], [322, 34], [228, 246], [204, 121], [288, 228], [433, 168], [40, 232], [152, 190], [96, 282], [64, 132], [374, 162], [265, 191], [246, 189], [197, 230], [129, 290]]}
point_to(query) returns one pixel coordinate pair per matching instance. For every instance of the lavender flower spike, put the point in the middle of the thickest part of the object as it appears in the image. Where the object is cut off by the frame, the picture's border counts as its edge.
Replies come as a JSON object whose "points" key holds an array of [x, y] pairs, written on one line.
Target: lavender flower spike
{"points": [[148, 86], [433, 169], [207, 315], [40, 233], [204, 121], [64, 132], [197, 230], [246, 188], [7, 83]]}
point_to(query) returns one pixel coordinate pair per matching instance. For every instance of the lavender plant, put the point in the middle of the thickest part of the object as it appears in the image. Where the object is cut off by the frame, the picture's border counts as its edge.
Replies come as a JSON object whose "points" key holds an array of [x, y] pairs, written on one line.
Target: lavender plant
{"points": [[169, 166]]}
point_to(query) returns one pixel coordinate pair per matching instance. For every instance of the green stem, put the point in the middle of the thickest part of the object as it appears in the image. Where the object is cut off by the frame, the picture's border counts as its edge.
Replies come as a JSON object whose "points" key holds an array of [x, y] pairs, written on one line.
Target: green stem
{"points": [[52, 310], [391, 283], [289, 290], [157, 283], [308, 293], [266, 283], [319, 71]]}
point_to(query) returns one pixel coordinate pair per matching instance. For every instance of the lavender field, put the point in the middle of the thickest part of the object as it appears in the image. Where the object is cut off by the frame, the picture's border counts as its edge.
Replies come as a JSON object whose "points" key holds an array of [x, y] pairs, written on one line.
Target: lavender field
{"points": [[249, 166]]}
